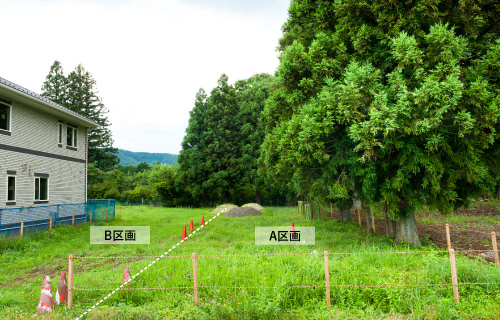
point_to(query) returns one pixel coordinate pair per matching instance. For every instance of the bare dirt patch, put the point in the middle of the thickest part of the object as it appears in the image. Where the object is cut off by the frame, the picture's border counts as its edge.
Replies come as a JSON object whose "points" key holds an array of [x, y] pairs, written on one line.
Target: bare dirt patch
{"points": [[468, 235]]}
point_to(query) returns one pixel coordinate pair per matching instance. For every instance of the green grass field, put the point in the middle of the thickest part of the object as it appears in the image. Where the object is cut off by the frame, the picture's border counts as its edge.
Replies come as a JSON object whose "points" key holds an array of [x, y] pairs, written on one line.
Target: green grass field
{"points": [[24, 262]]}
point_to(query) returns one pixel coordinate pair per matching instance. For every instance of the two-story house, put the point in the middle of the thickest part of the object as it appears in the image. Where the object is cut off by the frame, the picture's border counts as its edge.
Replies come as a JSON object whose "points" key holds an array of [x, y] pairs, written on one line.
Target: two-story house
{"points": [[43, 150]]}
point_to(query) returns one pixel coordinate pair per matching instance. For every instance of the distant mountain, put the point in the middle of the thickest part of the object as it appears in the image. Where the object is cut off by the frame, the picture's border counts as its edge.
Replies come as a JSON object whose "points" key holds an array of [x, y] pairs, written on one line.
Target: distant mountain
{"points": [[134, 158]]}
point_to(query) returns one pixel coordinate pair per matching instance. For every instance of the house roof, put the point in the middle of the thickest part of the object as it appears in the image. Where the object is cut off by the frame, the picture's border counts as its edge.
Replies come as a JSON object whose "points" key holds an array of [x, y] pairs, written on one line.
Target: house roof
{"points": [[16, 92]]}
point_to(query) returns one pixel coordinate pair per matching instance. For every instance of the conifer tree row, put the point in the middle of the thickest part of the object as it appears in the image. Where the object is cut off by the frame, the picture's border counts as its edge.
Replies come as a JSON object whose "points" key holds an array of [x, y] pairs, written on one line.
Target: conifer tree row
{"points": [[220, 152], [78, 92]]}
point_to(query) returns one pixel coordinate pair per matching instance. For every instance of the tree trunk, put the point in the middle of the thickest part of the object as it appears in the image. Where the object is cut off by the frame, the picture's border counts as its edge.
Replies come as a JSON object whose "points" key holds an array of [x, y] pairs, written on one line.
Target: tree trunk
{"points": [[390, 225], [226, 197], [368, 215], [344, 214], [498, 192], [406, 231], [206, 201], [257, 196]]}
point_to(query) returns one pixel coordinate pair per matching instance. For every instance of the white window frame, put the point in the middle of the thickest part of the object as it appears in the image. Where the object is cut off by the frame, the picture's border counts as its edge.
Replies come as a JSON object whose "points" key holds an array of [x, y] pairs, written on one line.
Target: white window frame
{"points": [[15, 188], [34, 189], [10, 116], [75, 136], [60, 131]]}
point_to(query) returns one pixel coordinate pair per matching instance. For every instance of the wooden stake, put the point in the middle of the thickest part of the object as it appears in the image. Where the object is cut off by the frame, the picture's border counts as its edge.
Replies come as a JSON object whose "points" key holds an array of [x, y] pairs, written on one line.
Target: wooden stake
{"points": [[90, 216], [106, 215], [70, 281], [454, 276], [331, 210], [359, 218], [495, 247], [448, 239], [73, 220], [120, 212], [50, 225], [373, 222], [195, 279], [327, 281], [22, 228]]}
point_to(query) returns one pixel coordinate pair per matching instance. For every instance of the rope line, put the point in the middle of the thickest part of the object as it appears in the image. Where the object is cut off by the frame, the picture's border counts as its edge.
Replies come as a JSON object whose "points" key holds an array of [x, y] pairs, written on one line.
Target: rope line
{"points": [[308, 286], [129, 257], [461, 228], [127, 289], [268, 254]]}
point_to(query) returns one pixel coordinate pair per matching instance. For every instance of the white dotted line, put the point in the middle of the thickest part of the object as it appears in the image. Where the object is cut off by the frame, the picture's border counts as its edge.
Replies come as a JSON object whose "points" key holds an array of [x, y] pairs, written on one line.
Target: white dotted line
{"points": [[166, 252]]}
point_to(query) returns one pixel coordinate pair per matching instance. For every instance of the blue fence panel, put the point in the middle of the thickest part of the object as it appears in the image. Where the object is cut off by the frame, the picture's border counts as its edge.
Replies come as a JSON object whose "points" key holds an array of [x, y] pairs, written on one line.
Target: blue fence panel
{"points": [[38, 218], [34, 226], [10, 230]]}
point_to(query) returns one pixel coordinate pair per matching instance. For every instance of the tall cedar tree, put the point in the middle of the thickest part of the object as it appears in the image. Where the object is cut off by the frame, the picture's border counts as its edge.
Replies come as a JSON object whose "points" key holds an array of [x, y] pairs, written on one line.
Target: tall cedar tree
{"points": [[222, 137], [78, 92], [221, 149], [55, 87], [394, 102], [252, 95], [191, 158]]}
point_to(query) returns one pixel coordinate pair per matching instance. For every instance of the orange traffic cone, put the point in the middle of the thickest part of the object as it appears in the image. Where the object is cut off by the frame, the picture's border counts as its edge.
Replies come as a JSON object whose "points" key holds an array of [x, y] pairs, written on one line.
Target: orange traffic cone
{"points": [[184, 233], [46, 302], [62, 290], [293, 226], [202, 220], [126, 279], [191, 226]]}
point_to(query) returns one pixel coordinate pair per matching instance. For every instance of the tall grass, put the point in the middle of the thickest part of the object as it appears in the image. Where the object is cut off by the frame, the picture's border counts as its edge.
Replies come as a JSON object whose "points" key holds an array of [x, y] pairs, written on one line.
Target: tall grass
{"points": [[28, 259]]}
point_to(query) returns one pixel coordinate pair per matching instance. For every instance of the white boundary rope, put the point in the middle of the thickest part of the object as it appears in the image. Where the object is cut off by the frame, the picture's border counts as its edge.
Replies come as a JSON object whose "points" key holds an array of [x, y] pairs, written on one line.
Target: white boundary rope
{"points": [[138, 273]]}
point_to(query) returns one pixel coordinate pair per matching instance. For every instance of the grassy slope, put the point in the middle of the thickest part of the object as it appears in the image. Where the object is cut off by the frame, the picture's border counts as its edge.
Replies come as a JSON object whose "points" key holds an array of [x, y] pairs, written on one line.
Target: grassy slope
{"points": [[24, 262]]}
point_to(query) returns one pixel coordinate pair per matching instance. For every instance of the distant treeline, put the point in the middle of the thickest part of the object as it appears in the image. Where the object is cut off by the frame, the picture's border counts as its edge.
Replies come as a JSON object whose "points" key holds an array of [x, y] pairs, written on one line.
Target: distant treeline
{"points": [[159, 182], [134, 158]]}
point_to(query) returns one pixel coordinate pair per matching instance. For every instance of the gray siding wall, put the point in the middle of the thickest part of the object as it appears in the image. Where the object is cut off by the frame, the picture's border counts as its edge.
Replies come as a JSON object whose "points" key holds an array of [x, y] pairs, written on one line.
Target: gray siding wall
{"points": [[37, 132]]}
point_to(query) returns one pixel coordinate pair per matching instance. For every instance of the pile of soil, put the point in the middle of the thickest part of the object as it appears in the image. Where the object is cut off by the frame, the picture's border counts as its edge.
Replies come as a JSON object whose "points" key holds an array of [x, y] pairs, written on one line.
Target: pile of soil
{"points": [[253, 205], [224, 208], [243, 212]]}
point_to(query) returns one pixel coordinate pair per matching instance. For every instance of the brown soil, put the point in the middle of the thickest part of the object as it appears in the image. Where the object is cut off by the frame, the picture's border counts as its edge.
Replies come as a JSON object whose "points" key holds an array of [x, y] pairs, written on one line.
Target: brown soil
{"points": [[470, 235], [243, 212]]}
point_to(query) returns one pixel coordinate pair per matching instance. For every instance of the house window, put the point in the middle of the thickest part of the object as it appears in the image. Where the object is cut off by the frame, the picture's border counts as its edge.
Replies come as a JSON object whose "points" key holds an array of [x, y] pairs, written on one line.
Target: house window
{"points": [[11, 188], [71, 134], [41, 189], [4, 115], [60, 133]]}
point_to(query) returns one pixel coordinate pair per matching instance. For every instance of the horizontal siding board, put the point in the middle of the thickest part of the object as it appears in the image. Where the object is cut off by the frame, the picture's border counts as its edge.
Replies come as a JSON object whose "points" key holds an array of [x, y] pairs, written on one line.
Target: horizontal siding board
{"points": [[32, 129]]}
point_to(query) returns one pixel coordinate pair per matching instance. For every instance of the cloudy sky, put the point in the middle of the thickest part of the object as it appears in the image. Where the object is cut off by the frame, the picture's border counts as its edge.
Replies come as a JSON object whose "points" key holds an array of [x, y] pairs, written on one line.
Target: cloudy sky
{"points": [[149, 57]]}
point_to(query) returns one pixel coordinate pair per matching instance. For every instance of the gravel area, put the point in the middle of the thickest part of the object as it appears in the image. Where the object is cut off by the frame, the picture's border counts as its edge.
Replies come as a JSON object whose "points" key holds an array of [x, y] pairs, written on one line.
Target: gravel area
{"points": [[224, 208], [243, 212], [253, 205]]}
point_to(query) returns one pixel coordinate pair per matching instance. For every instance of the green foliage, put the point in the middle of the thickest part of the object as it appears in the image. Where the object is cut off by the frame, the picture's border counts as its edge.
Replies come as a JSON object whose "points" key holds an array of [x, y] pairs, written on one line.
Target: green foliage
{"points": [[157, 182], [219, 160], [134, 158], [78, 92], [396, 102]]}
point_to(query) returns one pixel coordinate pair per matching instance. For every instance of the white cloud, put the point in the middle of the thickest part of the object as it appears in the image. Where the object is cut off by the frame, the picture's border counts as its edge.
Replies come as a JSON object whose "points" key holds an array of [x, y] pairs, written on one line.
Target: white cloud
{"points": [[149, 58]]}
